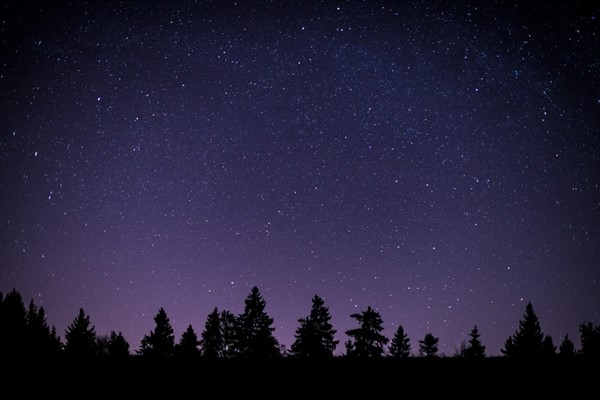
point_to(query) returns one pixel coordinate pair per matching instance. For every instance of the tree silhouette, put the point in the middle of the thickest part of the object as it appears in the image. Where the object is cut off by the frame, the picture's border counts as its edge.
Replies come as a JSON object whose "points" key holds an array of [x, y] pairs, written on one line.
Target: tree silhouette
{"points": [[548, 347], [256, 338], [400, 346], [461, 352], [188, 345], [527, 342], [25, 332], [41, 340], [118, 348], [229, 332], [161, 341], [567, 348], [429, 345], [475, 349], [80, 337], [212, 336], [12, 324], [315, 337], [367, 340], [590, 340], [102, 345]]}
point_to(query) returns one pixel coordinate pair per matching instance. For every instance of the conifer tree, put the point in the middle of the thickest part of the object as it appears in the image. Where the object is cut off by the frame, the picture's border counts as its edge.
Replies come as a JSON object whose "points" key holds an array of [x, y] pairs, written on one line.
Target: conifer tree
{"points": [[475, 349], [256, 338], [567, 348], [212, 336], [548, 347], [118, 347], [229, 332], [527, 342], [102, 345], [13, 324], [590, 340], [80, 337], [161, 341], [41, 340], [429, 345], [188, 345], [367, 340], [400, 346], [315, 337]]}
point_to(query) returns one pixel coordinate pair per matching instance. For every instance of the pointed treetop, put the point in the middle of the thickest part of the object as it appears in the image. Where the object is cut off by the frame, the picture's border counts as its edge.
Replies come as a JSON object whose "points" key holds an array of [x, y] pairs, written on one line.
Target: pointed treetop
{"points": [[212, 336], [527, 342], [161, 341], [188, 345], [256, 338], [315, 337], [81, 336], [400, 346], [475, 349]]}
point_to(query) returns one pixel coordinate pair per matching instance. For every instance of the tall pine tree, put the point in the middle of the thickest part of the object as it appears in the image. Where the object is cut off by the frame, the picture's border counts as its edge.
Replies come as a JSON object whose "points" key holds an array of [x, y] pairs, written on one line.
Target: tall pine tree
{"points": [[80, 337], [590, 340], [212, 336], [161, 341], [13, 325], [367, 340], [256, 338], [400, 346], [475, 349], [315, 337], [527, 342], [41, 340], [188, 345], [229, 331]]}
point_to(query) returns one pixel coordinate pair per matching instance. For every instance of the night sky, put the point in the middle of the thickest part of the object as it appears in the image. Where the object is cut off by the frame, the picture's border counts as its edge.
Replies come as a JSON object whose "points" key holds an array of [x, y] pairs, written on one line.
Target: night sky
{"points": [[439, 161]]}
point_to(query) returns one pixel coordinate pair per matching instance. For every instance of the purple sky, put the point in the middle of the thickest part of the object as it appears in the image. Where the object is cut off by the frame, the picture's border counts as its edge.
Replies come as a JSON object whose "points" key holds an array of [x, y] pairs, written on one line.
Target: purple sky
{"points": [[440, 163]]}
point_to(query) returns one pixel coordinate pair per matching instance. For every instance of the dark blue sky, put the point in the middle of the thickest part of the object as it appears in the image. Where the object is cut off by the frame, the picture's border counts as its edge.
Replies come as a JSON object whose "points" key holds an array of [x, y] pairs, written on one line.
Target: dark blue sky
{"points": [[439, 161]]}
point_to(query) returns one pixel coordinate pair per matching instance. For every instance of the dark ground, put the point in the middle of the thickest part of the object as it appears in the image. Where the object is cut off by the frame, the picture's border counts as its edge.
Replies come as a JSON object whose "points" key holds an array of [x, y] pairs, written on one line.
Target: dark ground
{"points": [[292, 378]]}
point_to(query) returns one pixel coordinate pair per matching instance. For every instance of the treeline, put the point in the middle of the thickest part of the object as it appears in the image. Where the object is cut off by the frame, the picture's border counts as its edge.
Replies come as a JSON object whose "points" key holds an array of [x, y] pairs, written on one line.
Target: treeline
{"points": [[25, 332]]}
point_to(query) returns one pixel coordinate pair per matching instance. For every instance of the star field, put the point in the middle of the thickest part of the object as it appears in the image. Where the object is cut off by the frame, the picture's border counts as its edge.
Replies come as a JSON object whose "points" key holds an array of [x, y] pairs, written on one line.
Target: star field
{"points": [[438, 162]]}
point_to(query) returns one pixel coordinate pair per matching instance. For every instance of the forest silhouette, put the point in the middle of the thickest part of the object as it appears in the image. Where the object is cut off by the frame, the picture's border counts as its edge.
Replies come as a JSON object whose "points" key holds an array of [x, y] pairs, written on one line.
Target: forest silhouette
{"points": [[240, 355], [24, 332]]}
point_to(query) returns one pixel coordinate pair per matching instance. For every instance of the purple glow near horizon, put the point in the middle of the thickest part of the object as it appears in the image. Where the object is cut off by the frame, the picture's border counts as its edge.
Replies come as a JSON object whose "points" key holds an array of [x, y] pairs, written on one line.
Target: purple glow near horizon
{"points": [[440, 163]]}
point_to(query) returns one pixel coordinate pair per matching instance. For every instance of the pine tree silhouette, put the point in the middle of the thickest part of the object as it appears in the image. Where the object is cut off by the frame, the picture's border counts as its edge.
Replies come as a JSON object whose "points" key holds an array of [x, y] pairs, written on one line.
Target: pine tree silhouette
{"points": [[229, 332], [367, 340], [12, 325], [567, 348], [161, 341], [590, 340], [548, 347], [475, 349], [102, 345], [118, 348], [400, 346], [41, 340], [212, 336], [429, 345], [26, 332], [315, 337], [256, 338], [527, 342], [188, 345], [80, 337]]}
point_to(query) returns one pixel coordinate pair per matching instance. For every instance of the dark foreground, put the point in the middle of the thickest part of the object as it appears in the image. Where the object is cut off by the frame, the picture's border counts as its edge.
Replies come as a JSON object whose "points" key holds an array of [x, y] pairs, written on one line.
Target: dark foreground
{"points": [[286, 377]]}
